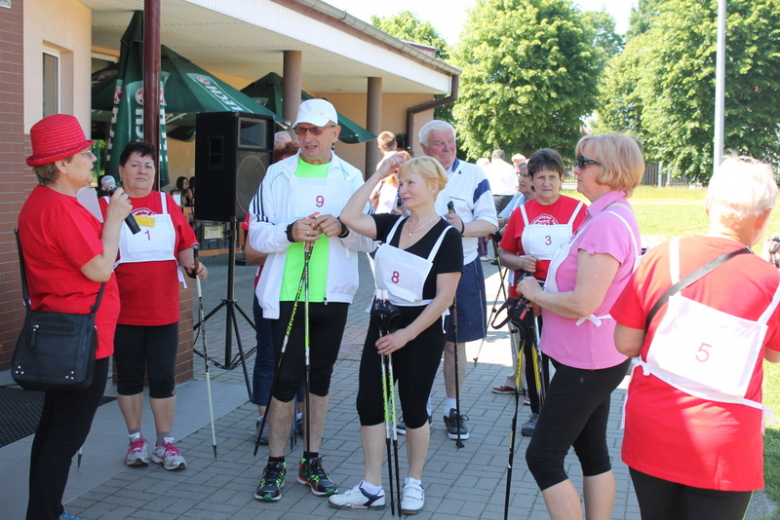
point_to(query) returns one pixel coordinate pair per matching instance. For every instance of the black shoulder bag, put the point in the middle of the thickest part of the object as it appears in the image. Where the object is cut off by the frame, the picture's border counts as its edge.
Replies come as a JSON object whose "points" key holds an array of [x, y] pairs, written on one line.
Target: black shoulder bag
{"points": [[56, 350]]}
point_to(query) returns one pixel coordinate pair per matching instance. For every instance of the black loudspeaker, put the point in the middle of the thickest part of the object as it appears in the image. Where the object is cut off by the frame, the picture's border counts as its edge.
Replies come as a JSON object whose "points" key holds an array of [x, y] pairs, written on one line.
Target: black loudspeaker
{"points": [[232, 153]]}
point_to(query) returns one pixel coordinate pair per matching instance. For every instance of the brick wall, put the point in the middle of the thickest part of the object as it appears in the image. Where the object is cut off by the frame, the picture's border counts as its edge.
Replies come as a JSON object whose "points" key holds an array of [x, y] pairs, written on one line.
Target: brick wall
{"points": [[16, 180]]}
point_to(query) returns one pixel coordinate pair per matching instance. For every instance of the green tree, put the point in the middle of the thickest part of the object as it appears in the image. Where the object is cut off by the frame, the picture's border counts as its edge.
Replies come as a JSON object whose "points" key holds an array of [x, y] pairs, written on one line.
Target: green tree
{"points": [[406, 26], [530, 71], [642, 17], [678, 83]]}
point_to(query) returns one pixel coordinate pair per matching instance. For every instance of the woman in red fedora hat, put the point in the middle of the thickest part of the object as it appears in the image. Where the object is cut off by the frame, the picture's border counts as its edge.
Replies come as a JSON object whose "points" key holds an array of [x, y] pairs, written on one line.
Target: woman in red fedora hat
{"points": [[68, 254]]}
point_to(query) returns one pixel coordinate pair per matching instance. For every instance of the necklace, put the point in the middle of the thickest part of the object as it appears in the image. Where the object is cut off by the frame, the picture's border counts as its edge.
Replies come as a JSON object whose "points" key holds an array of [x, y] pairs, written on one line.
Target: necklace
{"points": [[419, 228]]}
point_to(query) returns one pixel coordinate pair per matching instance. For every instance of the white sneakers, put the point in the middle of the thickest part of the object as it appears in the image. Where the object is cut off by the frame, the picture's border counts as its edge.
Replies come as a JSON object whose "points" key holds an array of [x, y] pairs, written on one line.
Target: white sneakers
{"points": [[357, 498], [168, 455], [413, 499], [137, 453]]}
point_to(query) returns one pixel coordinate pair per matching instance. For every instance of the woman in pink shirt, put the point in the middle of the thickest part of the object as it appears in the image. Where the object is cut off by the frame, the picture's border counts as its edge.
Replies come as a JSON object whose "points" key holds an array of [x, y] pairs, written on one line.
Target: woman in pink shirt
{"points": [[584, 278]]}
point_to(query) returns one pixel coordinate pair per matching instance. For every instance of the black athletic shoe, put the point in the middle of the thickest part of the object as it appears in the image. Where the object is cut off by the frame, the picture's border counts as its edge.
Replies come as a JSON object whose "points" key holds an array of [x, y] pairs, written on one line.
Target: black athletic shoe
{"points": [[272, 482], [310, 473], [452, 421], [529, 427]]}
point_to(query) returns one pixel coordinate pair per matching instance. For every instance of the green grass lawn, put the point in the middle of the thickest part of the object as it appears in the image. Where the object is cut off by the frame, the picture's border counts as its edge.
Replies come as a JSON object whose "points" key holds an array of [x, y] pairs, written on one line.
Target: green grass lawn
{"points": [[668, 212]]}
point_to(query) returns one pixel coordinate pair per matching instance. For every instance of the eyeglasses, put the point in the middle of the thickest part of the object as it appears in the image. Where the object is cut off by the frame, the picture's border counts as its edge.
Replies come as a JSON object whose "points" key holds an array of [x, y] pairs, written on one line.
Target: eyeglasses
{"points": [[584, 162], [313, 130], [87, 152]]}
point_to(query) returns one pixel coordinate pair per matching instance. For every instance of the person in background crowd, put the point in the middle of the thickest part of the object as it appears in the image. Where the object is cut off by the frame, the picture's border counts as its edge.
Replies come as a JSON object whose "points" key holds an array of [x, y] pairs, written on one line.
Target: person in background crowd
{"points": [[535, 232], [422, 294], [468, 191], [695, 394], [281, 138], [67, 254], [147, 339], [293, 207], [584, 279], [387, 145], [183, 185]]}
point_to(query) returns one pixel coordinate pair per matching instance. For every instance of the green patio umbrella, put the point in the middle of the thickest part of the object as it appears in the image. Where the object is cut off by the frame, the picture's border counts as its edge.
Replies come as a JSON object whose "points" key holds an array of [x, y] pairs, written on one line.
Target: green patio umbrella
{"points": [[268, 91], [127, 99], [187, 90]]}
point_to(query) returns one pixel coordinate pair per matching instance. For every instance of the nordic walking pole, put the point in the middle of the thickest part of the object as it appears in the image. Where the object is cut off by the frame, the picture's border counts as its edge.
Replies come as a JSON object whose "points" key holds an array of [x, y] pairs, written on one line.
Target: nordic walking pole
{"points": [[286, 339], [392, 322], [458, 442], [513, 433], [380, 319], [501, 290], [202, 322], [538, 360], [81, 452], [307, 248]]}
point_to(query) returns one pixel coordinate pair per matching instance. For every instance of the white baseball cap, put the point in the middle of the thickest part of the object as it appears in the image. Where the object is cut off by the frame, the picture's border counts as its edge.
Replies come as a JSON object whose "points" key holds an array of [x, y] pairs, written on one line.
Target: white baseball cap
{"points": [[317, 112]]}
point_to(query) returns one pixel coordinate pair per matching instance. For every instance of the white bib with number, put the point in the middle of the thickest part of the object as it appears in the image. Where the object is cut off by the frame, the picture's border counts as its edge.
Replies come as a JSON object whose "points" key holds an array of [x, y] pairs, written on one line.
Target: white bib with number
{"points": [[155, 242], [705, 352], [403, 274], [542, 241], [323, 196]]}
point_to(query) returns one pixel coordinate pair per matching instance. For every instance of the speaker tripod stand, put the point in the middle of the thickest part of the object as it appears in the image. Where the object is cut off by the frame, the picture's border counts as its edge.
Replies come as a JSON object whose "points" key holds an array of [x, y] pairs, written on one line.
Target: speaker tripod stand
{"points": [[231, 305]]}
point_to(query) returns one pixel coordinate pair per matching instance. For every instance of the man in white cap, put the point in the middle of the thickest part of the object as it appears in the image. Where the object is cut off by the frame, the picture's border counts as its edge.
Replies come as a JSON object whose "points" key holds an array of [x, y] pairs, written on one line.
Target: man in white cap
{"points": [[296, 209]]}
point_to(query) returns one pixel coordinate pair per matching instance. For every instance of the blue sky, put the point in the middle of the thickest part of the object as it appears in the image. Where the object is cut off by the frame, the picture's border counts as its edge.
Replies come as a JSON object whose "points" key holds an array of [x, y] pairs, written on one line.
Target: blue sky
{"points": [[448, 16]]}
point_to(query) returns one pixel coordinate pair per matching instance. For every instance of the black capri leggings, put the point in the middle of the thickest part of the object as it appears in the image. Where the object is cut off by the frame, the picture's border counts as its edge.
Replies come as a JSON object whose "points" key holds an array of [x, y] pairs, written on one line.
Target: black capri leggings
{"points": [[326, 328], [575, 414], [414, 367], [664, 500], [139, 347]]}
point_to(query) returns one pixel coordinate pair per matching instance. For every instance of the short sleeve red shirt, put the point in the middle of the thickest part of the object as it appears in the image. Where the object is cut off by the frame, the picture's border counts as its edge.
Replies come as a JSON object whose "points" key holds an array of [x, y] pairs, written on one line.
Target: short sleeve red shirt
{"points": [[150, 290], [59, 236], [559, 212], [670, 434]]}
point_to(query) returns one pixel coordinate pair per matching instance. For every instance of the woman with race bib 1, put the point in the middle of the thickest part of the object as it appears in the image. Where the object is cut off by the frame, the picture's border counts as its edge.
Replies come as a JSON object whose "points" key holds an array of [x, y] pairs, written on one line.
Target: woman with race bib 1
{"points": [[419, 264], [585, 277], [693, 415], [536, 230]]}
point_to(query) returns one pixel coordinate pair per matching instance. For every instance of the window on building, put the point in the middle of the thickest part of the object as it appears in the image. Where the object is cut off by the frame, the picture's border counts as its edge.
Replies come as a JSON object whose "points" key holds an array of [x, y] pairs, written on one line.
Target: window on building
{"points": [[51, 84]]}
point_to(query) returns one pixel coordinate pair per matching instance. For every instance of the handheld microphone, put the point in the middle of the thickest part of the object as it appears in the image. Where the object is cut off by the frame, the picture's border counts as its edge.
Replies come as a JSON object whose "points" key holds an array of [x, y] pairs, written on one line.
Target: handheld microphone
{"points": [[109, 186]]}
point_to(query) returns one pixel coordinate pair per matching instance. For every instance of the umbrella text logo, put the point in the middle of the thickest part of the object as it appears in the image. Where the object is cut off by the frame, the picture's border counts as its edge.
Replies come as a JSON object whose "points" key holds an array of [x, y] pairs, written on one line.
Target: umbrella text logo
{"points": [[214, 89]]}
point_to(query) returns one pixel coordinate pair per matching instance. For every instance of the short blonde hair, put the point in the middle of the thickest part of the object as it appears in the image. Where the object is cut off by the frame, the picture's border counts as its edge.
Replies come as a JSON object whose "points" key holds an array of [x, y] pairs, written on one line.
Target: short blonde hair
{"points": [[426, 167], [742, 188], [620, 158]]}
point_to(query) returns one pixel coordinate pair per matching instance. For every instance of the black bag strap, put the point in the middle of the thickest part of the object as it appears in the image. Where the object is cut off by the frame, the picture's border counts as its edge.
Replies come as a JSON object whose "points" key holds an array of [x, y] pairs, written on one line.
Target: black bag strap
{"points": [[688, 280], [25, 291]]}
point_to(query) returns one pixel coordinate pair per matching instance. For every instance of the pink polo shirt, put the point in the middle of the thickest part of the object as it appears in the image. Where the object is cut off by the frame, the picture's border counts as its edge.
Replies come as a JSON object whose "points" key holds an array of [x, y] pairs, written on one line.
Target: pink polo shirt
{"points": [[588, 346]]}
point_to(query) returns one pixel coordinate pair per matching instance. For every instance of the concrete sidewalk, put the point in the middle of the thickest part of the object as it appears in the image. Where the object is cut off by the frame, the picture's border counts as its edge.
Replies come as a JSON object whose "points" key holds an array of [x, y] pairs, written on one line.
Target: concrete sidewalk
{"points": [[468, 482]]}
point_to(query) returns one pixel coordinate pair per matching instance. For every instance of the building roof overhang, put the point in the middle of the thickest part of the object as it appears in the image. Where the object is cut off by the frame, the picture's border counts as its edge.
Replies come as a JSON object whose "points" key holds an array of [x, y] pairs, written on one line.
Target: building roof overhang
{"points": [[247, 38]]}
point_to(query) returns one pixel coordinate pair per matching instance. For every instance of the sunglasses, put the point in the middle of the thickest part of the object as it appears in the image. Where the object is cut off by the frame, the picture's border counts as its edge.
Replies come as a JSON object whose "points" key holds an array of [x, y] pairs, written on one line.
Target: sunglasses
{"points": [[584, 162], [313, 130]]}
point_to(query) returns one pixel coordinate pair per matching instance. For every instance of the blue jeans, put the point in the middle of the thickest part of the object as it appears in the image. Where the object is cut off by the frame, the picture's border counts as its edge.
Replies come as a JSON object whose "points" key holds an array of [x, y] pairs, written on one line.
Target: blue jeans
{"points": [[265, 365]]}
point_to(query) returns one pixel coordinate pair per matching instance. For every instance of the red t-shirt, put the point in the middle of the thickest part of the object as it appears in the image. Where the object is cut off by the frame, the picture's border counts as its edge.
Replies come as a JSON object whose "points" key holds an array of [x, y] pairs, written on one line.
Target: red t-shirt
{"points": [[150, 290], [559, 212], [59, 237], [670, 434]]}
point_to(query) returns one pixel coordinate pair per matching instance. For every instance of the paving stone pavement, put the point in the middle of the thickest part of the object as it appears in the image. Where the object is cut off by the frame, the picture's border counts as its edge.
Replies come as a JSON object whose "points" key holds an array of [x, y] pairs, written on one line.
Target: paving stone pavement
{"points": [[459, 483]]}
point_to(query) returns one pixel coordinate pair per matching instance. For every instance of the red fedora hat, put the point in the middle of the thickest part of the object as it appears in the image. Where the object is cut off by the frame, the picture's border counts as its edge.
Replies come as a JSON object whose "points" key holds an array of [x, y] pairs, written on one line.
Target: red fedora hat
{"points": [[56, 137]]}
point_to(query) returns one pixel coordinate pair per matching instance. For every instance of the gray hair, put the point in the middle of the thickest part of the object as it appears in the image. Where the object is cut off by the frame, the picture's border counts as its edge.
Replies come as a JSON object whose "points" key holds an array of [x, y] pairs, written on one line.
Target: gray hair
{"points": [[434, 125], [498, 154], [742, 188]]}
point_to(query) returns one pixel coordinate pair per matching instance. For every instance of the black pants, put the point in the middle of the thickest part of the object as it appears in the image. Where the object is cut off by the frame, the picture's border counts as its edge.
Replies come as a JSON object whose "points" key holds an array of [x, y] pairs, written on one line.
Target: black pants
{"points": [[414, 367], [326, 328], [65, 423], [575, 414], [664, 500], [150, 350]]}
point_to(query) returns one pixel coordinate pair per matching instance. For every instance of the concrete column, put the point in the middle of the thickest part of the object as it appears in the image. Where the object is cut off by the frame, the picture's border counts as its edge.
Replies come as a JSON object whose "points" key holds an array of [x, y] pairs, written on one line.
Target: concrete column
{"points": [[291, 90], [373, 122]]}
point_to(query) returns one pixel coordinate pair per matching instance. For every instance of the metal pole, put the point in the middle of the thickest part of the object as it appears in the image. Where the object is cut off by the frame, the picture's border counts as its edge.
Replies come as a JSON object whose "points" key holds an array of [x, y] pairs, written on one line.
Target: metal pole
{"points": [[720, 85], [152, 78]]}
